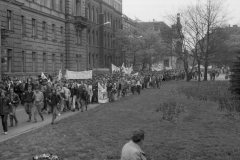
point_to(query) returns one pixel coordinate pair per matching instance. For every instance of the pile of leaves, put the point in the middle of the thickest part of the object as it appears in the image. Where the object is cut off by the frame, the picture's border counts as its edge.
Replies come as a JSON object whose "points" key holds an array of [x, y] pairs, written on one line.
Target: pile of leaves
{"points": [[46, 157]]}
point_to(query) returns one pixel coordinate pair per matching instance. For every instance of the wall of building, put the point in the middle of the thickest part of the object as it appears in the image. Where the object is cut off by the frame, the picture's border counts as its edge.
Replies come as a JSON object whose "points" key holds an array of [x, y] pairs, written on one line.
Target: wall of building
{"points": [[76, 42], [11, 37], [48, 35], [44, 36], [103, 51]]}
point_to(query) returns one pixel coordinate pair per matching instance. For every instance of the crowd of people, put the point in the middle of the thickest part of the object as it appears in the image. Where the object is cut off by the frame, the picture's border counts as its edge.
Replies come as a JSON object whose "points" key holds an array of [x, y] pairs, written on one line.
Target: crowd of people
{"points": [[50, 96]]}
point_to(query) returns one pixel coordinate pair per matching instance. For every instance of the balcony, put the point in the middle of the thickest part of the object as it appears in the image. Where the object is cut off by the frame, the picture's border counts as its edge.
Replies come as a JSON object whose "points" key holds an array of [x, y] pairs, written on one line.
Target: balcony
{"points": [[5, 33], [81, 22]]}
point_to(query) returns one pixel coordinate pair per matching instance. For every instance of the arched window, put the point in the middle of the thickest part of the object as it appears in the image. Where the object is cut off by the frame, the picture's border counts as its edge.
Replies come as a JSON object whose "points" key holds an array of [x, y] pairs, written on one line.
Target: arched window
{"points": [[78, 7]]}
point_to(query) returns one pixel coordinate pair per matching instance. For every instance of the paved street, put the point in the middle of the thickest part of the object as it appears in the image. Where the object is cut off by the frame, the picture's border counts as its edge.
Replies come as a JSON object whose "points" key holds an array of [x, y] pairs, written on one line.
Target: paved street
{"points": [[24, 126]]}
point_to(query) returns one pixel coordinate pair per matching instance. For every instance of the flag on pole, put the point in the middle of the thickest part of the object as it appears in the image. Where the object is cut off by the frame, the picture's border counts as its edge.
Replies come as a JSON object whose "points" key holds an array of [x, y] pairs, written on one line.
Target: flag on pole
{"points": [[60, 75], [43, 76], [115, 68]]}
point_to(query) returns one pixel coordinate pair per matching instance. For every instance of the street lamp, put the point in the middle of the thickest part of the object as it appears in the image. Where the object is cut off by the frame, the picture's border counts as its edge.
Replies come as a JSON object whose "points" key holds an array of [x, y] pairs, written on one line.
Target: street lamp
{"points": [[106, 23]]}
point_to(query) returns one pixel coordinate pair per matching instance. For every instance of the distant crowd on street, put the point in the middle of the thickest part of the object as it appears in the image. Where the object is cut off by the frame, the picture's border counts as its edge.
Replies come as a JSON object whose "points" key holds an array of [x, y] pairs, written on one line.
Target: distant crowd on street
{"points": [[50, 96]]}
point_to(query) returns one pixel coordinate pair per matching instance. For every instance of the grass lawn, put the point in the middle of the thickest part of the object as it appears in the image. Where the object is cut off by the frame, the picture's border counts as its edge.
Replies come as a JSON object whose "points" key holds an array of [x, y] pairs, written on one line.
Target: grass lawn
{"points": [[201, 132]]}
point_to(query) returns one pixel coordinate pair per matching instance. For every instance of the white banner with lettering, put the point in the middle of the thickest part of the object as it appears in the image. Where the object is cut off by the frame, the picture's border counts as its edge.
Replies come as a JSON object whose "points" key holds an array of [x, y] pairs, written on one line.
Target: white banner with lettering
{"points": [[78, 75]]}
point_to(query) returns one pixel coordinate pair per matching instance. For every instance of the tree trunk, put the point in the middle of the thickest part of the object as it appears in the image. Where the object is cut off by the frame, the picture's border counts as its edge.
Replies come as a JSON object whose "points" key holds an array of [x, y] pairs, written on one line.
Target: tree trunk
{"points": [[188, 75], [206, 55], [206, 70], [199, 71]]}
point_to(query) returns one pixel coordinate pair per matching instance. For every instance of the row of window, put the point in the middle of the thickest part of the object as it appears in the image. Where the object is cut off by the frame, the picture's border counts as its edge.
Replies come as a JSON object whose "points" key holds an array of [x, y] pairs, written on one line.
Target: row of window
{"points": [[45, 29], [92, 14], [116, 4], [57, 5], [108, 60], [93, 39], [35, 60]]}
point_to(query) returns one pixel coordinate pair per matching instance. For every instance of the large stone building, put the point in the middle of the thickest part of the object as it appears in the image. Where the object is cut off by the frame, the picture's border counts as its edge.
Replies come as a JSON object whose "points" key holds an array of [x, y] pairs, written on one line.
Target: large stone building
{"points": [[105, 19], [48, 35], [130, 26]]}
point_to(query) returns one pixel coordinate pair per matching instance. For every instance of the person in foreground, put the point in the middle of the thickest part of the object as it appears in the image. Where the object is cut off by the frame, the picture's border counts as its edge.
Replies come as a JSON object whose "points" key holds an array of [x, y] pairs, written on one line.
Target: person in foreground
{"points": [[132, 150], [4, 110]]}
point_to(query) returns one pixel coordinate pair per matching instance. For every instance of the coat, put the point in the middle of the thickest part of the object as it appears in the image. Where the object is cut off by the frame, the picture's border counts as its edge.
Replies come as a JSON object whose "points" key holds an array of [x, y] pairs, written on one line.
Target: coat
{"points": [[132, 151], [5, 107], [28, 97], [54, 99]]}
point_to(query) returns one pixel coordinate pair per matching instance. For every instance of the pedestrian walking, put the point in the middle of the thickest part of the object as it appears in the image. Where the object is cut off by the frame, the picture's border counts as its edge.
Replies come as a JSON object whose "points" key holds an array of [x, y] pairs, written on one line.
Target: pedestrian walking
{"points": [[74, 93], [139, 87], [14, 102], [28, 98], [54, 101], [4, 110], [38, 104]]}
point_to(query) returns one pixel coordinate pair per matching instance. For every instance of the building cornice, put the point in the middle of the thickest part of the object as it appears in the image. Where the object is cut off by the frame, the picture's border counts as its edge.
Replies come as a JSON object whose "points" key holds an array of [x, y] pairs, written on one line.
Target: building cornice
{"points": [[42, 13], [14, 2], [101, 2]]}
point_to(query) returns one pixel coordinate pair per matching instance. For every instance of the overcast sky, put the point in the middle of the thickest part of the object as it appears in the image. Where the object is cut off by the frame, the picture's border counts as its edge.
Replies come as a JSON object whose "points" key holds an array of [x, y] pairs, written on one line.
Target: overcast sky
{"points": [[147, 10]]}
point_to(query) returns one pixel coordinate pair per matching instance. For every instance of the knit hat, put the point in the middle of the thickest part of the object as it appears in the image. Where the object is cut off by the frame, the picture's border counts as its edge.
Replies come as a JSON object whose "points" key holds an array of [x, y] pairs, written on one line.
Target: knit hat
{"points": [[137, 135]]}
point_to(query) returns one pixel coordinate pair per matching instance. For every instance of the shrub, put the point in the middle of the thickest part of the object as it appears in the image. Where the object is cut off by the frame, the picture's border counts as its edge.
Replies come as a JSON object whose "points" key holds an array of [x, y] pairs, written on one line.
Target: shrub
{"points": [[235, 77], [213, 91]]}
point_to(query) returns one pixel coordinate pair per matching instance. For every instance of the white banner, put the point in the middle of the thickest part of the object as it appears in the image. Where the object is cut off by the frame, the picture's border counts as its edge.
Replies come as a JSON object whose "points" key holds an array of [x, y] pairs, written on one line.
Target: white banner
{"points": [[157, 67], [60, 75], [78, 75], [136, 74], [102, 93]]}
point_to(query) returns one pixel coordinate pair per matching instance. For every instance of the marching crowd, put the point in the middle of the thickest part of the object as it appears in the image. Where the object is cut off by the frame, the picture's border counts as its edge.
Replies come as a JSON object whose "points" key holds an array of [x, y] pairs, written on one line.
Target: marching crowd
{"points": [[55, 97]]}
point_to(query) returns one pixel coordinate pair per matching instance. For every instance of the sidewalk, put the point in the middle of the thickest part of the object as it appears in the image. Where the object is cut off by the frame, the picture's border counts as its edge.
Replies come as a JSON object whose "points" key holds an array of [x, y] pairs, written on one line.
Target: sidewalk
{"points": [[24, 127]]}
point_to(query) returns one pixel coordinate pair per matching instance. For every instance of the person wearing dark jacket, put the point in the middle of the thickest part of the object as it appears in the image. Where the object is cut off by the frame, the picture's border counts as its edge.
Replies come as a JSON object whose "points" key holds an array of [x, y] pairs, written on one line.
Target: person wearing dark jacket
{"points": [[28, 98], [74, 93], [54, 100], [29, 83], [15, 100], [4, 110]]}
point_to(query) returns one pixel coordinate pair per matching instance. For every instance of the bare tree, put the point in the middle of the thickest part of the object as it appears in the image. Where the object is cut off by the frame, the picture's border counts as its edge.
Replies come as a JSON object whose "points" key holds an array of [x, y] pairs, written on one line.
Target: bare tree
{"points": [[199, 21], [212, 15]]}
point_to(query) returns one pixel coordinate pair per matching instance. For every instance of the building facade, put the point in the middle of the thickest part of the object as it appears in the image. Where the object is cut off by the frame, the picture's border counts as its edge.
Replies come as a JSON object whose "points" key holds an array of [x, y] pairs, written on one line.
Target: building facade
{"points": [[105, 19], [130, 26], [49, 35]]}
